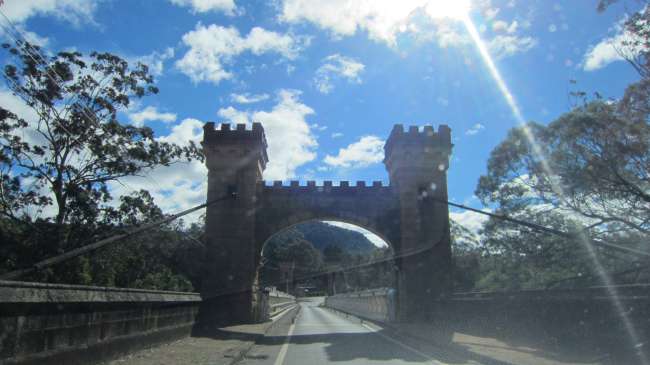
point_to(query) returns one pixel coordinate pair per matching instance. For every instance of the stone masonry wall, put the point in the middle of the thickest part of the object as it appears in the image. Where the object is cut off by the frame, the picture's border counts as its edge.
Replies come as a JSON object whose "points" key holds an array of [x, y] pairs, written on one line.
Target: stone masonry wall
{"points": [[558, 319], [577, 320], [70, 324], [374, 304]]}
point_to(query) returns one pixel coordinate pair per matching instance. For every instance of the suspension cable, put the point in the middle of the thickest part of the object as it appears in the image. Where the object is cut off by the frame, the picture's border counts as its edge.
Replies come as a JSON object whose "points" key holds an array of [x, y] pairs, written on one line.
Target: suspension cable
{"points": [[101, 243], [545, 229]]}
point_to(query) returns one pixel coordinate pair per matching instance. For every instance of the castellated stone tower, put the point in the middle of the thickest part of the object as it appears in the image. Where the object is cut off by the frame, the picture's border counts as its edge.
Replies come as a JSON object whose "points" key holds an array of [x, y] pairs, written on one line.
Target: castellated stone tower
{"points": [[410, 214], [235, 160], [417, 163]]}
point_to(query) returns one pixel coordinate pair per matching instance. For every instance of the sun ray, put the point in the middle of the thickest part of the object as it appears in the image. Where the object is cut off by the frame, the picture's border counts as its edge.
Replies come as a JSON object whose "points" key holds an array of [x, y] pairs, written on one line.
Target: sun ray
{"points": [[559, 191]]}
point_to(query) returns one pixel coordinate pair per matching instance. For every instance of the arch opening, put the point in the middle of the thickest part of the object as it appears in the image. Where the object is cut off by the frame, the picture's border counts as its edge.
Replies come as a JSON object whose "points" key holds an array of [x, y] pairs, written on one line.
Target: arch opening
{"points": [[319, 257]]}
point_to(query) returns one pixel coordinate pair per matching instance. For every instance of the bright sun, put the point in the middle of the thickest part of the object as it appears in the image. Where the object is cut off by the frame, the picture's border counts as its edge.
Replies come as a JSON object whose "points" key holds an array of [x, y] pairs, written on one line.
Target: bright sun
{"points": [[452, 9]]}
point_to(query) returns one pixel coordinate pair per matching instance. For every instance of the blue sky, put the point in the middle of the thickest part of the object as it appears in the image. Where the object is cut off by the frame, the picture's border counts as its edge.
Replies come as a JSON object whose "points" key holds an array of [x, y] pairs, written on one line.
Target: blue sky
{"points": [[329, 79]]}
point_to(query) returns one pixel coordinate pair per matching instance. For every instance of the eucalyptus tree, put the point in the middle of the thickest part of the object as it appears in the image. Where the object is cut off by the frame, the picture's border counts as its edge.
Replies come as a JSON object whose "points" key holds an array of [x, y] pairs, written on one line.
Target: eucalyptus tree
{"points": [[64, 147]]}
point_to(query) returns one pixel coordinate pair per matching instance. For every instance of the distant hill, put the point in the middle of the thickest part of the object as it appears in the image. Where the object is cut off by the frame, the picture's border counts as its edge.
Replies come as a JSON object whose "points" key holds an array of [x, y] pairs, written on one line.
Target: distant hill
{"points": [[312, 246], [322, 235]]}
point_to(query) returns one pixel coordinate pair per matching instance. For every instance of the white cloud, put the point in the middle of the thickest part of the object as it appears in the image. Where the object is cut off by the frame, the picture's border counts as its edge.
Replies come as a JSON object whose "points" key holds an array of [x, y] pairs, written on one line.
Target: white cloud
{"points": [[22, 32], [382, 19], [291, 143], [344, 17], [176, 187], [503, 27], [475, 129], [17, 106], [471, 220], [366, 151], [75, 12], [373, 238], [318, 127], [603, 53], [202, 6], [337, 135], [503, 46], [148, 114], [491, 13], [336, 66], [155, 60], [612, 49], [447, 35], [213, 46], [233, 115], [442, 101], [609, 50], [247, 98], [188, 130]]}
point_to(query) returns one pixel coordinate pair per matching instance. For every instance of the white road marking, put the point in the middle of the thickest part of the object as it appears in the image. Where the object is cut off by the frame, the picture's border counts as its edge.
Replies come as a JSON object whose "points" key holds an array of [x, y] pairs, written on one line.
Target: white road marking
{"points": [[402, 345], [285, 346]]}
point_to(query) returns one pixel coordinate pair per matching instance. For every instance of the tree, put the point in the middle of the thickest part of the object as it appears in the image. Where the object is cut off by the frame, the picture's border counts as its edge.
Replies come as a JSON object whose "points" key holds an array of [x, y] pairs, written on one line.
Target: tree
{"points": [[64, 155], [586, 173], [591, 180], [57, 162], [468, 256], [635, 49], [289, 247], [595, 165]]}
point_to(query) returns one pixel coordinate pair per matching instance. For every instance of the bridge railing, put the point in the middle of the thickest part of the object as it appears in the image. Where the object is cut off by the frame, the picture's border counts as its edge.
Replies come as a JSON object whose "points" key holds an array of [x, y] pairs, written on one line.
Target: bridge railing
{"points": [[623, 292], [279, 300], [74, 324], [609, 319], [373, 304], [272, 302], [601, 319]]}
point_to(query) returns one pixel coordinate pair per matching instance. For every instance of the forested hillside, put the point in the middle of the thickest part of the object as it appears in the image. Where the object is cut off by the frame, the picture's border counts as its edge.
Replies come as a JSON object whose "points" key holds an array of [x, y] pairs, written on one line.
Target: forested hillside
{"points": [[322, 235], [313, 248]]}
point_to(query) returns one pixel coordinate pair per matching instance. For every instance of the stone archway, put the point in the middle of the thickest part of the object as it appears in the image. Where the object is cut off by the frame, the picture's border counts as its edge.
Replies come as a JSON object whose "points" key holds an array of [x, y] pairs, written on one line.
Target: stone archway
{"points": [[333, 276], [408, 212]]}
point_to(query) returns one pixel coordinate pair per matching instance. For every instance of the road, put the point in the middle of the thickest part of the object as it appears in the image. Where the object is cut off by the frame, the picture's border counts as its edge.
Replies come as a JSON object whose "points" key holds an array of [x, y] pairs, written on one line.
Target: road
{"points": [[321, 336]]}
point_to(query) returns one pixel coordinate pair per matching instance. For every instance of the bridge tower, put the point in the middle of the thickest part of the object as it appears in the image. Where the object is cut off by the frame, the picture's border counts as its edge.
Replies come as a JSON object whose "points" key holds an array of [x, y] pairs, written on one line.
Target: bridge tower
{"points": [[417, 163], [235, 160]]}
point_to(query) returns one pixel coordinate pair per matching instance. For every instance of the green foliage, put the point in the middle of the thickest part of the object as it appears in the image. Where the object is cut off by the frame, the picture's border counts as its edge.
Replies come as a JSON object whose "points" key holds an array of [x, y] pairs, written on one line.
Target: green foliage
{"points": [[587, 174], [163, 258], [322, 235], [591, 162], [74, 145], [467, 254], [314, 248], [56, 164]]}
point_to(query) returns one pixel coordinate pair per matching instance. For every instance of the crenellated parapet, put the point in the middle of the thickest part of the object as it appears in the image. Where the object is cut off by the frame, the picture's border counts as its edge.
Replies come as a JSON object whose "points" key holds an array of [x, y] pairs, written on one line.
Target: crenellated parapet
{"points": [[423, 152], [226, 134], [403, 213], [225, 147], [327, 186], [373, 206]]}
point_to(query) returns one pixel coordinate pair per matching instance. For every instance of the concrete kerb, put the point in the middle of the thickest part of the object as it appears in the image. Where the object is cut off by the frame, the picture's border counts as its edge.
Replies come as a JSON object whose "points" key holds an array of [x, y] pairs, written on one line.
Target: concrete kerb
{"points": [[288, 313]]}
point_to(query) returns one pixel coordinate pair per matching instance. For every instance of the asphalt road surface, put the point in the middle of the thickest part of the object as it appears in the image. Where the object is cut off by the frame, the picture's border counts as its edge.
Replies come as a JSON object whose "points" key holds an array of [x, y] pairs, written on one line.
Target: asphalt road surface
{"points": [[321, 336]]}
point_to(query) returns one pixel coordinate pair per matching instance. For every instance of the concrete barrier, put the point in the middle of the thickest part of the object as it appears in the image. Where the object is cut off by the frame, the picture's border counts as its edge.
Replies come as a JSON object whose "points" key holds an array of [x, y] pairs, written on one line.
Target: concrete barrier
{"points": [[72, 324], [374, 304]]}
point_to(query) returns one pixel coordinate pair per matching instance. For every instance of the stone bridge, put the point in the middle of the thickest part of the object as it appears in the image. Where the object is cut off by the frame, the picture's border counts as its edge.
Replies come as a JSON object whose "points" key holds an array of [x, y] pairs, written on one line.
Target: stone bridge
{"points": [[407, 214]]}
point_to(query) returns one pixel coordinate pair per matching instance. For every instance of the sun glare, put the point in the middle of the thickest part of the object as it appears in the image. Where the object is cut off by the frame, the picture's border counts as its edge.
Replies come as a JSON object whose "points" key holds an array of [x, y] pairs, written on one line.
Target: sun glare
{"points": [[452, 9]]}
